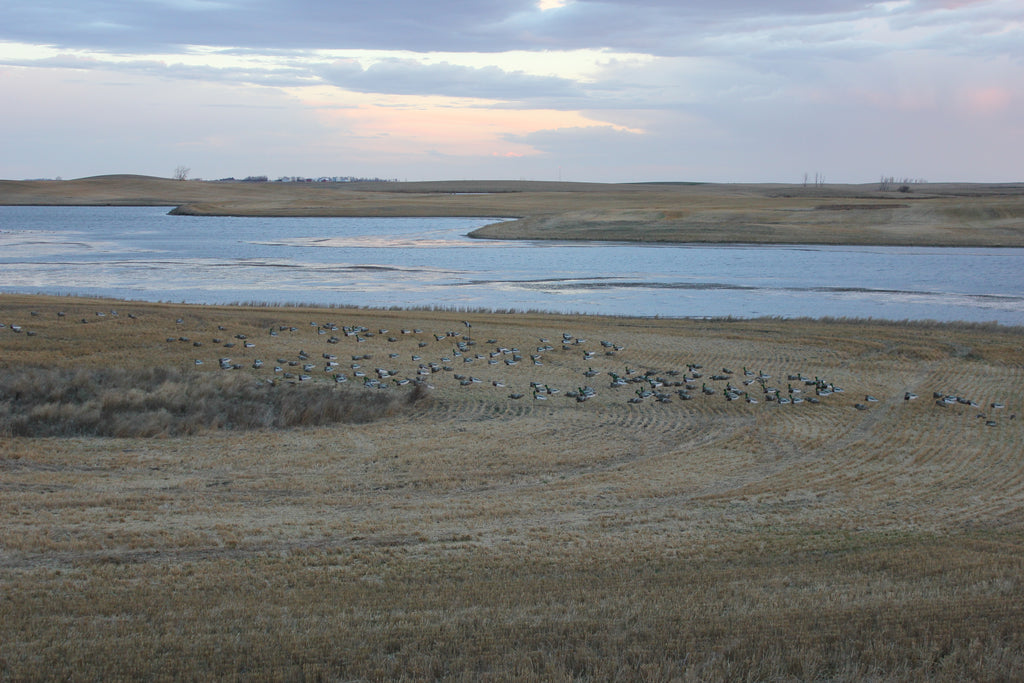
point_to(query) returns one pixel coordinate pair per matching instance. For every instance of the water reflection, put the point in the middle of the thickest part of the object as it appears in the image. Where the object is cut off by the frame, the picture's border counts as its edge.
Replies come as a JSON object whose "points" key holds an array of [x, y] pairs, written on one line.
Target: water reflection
{"points": [[142, 253]]}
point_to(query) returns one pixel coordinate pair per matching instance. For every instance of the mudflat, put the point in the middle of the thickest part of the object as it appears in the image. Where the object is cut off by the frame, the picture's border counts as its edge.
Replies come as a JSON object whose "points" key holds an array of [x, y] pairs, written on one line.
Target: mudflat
{"points": [[927, 214], [540, 497]]}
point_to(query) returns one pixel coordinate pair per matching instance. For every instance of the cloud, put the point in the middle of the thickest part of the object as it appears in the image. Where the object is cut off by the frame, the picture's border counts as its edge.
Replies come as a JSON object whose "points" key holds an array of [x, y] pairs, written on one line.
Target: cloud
{"points": [[134, 25], [81, 123], [730, 90], [660, 27], [280, 75], [412, 77]]}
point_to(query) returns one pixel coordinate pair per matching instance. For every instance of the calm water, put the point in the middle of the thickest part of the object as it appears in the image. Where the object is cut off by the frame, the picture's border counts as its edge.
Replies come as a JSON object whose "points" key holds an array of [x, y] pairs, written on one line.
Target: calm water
{"points": [[142, 253]]}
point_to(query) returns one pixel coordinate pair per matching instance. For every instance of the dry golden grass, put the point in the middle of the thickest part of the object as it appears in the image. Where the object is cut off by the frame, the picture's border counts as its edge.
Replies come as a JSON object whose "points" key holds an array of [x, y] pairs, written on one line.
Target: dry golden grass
{"points": [[167, 402], [473, 536], [937, 214]]}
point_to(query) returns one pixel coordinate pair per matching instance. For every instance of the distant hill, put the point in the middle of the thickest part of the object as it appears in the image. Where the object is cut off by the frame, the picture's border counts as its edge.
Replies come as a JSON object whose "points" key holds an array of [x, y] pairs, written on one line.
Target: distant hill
{"points": [[935, 214]]}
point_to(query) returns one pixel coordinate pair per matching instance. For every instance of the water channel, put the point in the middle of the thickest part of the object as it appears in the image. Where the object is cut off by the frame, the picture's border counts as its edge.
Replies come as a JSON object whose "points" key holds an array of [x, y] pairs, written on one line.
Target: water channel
{"points": [[142, 253]]}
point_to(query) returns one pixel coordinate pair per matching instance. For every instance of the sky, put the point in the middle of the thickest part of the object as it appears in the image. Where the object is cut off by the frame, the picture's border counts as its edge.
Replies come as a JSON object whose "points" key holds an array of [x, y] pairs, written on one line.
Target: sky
{"points": [[575, 90]]}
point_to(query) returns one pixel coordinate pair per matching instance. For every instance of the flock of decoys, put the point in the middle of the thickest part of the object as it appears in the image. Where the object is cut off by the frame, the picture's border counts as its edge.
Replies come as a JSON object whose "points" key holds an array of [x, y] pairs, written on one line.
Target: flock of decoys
{"points": [[946, 400], [747, 386], [99, 315]]}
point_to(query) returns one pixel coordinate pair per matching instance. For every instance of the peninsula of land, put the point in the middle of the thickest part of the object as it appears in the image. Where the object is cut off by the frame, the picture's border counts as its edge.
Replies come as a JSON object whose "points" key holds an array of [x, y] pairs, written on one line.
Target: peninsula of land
{"points": [[926, 214]]}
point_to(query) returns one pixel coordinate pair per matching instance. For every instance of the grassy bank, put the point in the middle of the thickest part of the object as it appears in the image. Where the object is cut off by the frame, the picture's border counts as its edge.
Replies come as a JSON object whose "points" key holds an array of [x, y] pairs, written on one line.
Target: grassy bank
{"points": [[931, 214]]}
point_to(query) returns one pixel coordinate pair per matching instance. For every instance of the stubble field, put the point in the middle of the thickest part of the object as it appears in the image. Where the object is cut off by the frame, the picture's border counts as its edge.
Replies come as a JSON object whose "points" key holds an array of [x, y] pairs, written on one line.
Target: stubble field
{"points": [[450, 531]]}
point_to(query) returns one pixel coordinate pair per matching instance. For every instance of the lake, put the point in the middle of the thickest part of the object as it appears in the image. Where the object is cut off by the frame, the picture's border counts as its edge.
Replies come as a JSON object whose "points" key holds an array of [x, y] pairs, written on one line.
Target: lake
{"points": [[144, 254]]}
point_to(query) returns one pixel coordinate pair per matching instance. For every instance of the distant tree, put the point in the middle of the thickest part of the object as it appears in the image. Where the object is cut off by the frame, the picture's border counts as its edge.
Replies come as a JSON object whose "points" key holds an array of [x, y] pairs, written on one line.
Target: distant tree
{"points": [[181, 173], [888, 182]]}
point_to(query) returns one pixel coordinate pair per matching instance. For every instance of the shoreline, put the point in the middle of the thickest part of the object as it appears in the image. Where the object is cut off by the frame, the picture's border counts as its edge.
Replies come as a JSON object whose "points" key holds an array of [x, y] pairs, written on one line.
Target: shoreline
{"points": [[928, 323], [932, 214], [20, 300]]}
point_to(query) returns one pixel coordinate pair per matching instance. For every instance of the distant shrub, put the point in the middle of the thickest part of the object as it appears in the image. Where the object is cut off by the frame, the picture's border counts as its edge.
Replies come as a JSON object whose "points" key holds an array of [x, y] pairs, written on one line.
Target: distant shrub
{"points": [[168, 402]]}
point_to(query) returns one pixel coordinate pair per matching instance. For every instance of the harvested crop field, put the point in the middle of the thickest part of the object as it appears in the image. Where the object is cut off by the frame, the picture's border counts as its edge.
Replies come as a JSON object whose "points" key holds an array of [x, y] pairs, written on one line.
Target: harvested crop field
{"points": [[476, 500]]}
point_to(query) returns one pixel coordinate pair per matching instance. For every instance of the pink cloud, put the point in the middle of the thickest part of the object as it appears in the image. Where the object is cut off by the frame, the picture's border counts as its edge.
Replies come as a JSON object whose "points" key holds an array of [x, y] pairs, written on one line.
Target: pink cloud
{"points": [[987, 101], [416, 125]]}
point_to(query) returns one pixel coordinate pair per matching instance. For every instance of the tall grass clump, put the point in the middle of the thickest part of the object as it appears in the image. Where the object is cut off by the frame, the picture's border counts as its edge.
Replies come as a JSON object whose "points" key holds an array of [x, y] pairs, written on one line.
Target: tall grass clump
{"points": [[167, 402]]}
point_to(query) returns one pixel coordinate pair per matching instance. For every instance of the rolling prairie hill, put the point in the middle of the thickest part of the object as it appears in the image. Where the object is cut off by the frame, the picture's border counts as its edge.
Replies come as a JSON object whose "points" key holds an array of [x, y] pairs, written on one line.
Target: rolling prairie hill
{"points": [[933, 214]]}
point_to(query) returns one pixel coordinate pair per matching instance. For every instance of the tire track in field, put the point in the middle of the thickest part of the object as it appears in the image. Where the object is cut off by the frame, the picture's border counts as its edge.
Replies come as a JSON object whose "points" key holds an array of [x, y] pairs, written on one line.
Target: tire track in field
{"points": [[894, 453], [797, 461], [920, 456]]}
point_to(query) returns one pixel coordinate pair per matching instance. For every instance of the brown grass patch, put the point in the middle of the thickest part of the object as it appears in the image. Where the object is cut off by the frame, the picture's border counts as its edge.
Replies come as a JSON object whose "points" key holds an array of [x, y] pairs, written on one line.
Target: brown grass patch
{"points": [[167, 402], [937, 214]]}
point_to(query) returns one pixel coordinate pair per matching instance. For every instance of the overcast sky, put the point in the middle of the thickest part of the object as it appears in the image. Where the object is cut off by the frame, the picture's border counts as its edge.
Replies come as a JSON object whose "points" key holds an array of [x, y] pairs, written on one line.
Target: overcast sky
{"points": [[582, 90]]}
